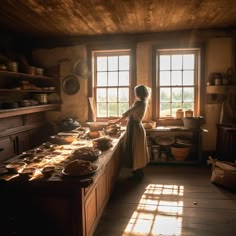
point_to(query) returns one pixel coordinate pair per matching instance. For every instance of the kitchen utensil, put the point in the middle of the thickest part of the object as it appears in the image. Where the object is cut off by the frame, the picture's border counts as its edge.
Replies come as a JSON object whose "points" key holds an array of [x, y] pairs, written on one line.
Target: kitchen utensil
{"points": [[81, 68], [69, 124], [165, 140], [71, 84]]}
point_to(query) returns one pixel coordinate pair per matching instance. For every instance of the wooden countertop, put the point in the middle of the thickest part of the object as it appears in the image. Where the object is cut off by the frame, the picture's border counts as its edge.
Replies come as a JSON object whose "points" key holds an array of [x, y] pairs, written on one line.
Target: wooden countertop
{"points": [[174, 128], [57, 178]]}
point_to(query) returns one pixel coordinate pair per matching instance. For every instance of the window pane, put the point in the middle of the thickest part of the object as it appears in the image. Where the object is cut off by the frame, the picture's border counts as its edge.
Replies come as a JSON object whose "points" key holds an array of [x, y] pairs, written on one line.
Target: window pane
{"points": [[177, 80], [189, 105], [113, 63], [164, 109], [112, 109], [112, 94], [164, 62], [123, 94], [177, 94], [101, 95], [176, 77], [101, 109], [101, 78], [123, 62], [101, 63], [188, 77], [112, 83], [164, 78], [188, 94], [123, 107], [165, 94], [112, 78], [175, 106], [176, 62], [124, 78], [188, 61]]}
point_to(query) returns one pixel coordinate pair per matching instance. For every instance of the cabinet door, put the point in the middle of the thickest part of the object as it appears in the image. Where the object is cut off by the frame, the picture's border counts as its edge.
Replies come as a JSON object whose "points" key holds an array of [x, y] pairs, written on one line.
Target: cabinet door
{"points": [[90, 212], [101, 192], [23, 142], [8, 147], [225, 145], [110, 175]]}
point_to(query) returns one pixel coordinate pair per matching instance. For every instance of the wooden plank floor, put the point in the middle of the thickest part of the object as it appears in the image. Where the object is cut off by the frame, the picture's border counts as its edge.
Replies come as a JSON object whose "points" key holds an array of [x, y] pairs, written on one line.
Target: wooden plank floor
{"points": [[169, 200]]}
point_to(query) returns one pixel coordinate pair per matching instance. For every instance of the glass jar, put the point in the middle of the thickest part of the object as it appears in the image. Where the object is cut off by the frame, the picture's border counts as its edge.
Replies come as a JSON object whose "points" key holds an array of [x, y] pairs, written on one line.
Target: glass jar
{"points": [[41, 98], [189, 113], [179, 113]]}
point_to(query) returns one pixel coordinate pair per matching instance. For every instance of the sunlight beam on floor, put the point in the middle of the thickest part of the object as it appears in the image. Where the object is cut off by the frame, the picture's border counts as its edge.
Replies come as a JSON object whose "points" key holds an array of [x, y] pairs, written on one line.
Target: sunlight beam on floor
{"points": [[159, 212]]}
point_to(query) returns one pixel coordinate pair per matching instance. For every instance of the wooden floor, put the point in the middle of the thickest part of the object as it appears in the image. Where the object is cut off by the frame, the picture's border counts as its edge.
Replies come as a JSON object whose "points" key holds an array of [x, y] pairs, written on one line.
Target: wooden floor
{"points": [[169, 200]]}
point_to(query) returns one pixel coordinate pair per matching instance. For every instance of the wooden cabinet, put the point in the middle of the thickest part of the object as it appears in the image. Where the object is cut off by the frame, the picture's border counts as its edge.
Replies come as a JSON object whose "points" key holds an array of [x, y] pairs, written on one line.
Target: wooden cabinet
{"points": [[60, 205], [8, 146], [225, 144], [97, 195], [13, 145], [17, 131]]}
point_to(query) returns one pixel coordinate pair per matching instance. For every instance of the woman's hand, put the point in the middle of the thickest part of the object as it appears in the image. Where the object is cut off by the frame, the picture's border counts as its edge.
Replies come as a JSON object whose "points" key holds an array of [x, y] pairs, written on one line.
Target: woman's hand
{"points": [[113, 122]]}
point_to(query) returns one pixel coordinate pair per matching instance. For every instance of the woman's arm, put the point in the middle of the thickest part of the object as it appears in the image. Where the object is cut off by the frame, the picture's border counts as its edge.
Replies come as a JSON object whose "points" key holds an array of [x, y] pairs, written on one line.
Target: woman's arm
{"points": [[116, 121]]}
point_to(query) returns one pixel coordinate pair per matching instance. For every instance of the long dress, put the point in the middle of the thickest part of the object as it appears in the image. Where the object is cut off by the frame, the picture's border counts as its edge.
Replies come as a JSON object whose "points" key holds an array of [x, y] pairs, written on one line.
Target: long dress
{"points": [[135, 143]]}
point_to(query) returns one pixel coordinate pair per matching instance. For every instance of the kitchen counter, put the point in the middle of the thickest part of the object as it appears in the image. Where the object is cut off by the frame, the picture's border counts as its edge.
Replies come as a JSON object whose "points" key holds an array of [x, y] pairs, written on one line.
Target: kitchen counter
{"points": [[59, 204]]}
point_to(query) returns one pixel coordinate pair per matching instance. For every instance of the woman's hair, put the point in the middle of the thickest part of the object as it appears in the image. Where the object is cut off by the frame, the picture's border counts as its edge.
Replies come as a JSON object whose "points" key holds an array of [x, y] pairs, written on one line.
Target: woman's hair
{"points": [[141, 92]]}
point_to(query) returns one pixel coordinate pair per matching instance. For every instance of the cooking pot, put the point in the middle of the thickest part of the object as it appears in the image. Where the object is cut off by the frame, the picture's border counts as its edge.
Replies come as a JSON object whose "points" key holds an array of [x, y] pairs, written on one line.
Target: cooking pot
{"points": [[69, 124]]}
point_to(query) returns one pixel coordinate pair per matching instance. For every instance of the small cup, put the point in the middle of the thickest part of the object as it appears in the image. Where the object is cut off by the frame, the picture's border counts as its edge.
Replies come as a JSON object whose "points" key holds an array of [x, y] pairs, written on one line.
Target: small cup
{"points": [[12, 66], [39, 71]]}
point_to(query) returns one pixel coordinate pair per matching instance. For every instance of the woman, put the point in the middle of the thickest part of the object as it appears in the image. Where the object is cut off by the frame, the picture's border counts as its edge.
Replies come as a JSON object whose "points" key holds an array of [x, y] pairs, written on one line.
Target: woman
{"points": [[135, 144]]}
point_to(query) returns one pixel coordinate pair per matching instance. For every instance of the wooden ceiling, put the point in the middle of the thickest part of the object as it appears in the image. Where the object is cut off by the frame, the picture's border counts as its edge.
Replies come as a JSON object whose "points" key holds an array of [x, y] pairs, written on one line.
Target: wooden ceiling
{"points": [[62, 18]]}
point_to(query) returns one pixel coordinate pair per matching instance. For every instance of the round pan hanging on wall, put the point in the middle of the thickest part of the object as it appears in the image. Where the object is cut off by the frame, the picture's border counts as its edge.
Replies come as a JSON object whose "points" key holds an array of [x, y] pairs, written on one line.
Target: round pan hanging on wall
{"points": [[70, 84], [81, 69]]}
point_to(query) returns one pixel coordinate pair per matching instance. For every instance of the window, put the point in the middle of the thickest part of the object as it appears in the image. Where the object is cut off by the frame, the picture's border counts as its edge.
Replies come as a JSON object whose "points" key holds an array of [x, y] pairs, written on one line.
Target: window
{"points": [[177, 81], [111, 83]]}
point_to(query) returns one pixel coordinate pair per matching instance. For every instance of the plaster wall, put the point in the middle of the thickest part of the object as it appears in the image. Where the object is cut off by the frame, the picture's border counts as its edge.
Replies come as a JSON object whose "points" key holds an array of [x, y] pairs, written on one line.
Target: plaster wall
{"points": [[75, 106], [218, 59]]}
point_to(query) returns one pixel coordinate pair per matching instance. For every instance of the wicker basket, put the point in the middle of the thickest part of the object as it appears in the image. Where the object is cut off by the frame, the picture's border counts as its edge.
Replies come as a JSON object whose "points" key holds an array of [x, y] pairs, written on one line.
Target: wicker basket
{"points": [[180, 153]]}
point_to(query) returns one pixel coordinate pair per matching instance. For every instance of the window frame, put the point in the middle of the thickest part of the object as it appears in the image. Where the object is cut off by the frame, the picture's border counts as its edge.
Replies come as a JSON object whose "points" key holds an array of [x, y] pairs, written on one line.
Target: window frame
{"points": [[107, 54], [110, 50], [199, 92]]}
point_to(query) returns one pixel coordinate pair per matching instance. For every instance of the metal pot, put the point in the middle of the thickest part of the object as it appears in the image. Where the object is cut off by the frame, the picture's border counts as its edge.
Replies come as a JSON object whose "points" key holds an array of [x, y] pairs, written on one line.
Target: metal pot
{"points": [[69, 124]]}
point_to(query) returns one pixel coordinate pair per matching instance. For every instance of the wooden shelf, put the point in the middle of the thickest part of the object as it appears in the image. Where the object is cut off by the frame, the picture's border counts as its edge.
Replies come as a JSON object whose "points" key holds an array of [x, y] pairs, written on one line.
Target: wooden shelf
{"points": [[23, 75], [27, 110], [220, 89], [28, 91]]}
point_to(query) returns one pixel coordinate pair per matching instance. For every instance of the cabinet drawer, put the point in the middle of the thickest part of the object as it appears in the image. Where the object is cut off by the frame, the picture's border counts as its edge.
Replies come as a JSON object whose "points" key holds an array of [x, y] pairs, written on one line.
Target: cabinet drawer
{"points": [[8, 146]]}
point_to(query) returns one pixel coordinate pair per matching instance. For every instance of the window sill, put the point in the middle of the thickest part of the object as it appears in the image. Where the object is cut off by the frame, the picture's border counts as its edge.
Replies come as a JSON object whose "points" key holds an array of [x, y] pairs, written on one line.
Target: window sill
{"points": [[170, 121]]}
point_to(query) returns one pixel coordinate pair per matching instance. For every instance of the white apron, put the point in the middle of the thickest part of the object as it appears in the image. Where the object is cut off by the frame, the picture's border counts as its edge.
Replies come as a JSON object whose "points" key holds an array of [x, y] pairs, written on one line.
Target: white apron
{"points": [[135, 142]]}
